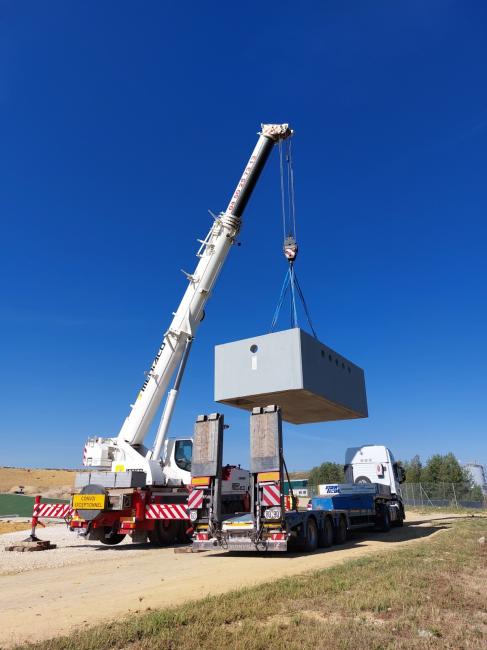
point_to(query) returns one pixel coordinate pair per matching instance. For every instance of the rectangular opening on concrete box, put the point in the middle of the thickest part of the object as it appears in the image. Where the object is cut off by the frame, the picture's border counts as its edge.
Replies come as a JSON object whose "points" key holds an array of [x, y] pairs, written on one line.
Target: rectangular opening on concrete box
{"points": [[307, 379]]}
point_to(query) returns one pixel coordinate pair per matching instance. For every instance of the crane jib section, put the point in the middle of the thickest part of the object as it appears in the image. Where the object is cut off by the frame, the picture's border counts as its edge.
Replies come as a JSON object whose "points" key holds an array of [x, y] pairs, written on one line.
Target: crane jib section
{"points": [[188, 316]]}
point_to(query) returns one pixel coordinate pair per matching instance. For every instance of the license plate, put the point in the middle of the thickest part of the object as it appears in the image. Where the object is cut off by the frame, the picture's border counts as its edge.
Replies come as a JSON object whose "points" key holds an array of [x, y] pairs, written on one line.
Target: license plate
{"points": [[88, 501]]}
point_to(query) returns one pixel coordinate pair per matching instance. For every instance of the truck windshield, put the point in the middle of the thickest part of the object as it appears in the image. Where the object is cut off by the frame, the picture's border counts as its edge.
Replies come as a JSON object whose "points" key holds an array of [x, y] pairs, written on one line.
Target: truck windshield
{"points": [[183, 452]]}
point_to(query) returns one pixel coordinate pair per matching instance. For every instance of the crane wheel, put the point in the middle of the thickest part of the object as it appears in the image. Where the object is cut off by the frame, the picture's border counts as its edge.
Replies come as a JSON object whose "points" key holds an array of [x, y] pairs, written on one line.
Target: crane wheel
{"points": [[111, 539], [165, 533]]}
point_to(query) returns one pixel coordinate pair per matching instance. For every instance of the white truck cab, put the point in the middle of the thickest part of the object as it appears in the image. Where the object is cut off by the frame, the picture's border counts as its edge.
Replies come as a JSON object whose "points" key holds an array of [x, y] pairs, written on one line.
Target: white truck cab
{"points": [[373, 464]]}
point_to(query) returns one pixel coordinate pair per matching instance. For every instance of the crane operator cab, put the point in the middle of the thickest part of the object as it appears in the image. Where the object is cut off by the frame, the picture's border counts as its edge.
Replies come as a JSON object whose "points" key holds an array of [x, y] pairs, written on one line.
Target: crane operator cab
{"points": [[177, 460]]}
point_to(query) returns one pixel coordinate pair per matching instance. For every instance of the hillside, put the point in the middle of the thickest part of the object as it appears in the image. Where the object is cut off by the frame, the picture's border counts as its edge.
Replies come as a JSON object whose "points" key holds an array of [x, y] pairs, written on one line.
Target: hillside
{"points": [[47, 482]]}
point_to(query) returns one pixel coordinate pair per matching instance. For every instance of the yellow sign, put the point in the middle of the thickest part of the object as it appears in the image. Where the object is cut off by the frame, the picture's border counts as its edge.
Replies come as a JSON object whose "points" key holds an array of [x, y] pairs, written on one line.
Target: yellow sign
{"points": [[200, 480], [88, 501], [267, 476]]}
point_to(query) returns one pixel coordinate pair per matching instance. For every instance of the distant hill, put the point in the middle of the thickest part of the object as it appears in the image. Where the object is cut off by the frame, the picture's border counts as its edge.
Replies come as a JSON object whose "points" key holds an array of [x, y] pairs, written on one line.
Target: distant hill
{"points": [[47, 482], [299, 474]]}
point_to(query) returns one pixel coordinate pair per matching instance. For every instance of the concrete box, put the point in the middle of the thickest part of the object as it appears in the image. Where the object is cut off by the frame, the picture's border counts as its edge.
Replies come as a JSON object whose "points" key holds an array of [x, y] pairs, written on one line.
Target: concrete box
{"points": [[308, 380], [132, 478]]}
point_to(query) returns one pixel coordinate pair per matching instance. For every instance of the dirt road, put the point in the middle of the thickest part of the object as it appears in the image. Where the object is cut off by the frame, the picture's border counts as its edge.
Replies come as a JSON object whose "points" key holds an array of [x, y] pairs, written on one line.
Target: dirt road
{"points": [[107, 583]]}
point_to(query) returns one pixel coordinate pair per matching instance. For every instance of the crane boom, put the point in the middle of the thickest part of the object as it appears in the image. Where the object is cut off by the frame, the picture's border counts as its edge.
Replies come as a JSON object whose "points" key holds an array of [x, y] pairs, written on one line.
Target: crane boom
{"points": [[212, 254]]}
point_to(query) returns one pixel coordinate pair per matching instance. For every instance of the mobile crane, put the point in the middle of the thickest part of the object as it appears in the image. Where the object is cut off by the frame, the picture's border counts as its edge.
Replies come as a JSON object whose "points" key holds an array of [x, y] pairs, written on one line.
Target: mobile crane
{"points": [[142, 491]]}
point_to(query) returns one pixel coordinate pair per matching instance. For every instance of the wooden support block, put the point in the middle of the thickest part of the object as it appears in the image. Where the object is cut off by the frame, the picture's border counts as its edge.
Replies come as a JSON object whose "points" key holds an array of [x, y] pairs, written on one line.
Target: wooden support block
{"points": [[29, 547]]}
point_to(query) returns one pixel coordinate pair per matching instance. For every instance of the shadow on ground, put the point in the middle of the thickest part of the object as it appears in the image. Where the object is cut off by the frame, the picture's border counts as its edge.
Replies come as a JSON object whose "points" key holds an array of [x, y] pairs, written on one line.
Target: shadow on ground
{"points": [[410, 531]]}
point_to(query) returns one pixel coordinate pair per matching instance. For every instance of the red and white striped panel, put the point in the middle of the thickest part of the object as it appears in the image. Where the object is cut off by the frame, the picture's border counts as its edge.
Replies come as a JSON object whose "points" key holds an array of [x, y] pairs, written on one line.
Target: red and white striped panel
{"points": [[166, 511], [52, 510], [195, 499], [271, 495]]}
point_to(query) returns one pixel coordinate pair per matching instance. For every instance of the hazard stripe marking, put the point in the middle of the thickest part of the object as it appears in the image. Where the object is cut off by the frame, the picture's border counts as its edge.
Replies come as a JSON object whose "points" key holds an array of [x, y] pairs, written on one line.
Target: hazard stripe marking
{"points": [[166, 511], [52, 510], [271, 495], [195, 499]]}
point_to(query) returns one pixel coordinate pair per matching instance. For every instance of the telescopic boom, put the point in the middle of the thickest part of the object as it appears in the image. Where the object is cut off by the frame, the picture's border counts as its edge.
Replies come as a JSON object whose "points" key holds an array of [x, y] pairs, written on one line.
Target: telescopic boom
{"points": [[212, 254]]}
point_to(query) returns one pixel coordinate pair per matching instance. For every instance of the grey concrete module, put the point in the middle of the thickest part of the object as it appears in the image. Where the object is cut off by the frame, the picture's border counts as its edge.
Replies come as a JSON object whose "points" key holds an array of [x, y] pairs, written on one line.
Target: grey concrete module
{"points": [[307, 379], [132, 478]]}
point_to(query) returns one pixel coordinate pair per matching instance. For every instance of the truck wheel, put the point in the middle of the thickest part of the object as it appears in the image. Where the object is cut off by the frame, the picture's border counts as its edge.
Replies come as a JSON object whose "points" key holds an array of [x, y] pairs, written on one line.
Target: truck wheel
{"points": [[110, 540], [341, 531], [325, 536], [164, 535], [400, 521], [311, 541], [362, 479], [383, 519]]}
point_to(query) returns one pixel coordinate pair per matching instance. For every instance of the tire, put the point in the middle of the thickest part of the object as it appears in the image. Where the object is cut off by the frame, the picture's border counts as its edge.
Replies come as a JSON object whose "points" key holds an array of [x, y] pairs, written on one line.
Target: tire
{"points": [[183, 536], [310, 543], [383, 519], [164, 535], [111, 540], [399, 522], [341, 531], [362, 479], [325, 535]]}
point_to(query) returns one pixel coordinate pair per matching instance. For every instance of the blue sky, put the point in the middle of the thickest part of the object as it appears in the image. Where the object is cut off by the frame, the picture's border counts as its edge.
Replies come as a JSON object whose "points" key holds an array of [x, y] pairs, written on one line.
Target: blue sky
{"points": [[122, 123]]}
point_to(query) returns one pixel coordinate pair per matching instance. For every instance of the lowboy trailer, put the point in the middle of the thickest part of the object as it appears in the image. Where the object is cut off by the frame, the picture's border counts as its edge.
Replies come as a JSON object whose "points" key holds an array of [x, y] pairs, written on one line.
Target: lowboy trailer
{"points": [[274, 522]]}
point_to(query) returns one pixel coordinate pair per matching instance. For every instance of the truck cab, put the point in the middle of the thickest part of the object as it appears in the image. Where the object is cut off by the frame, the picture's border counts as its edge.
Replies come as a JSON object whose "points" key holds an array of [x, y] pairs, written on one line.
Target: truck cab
{"points": [[373, 464]]}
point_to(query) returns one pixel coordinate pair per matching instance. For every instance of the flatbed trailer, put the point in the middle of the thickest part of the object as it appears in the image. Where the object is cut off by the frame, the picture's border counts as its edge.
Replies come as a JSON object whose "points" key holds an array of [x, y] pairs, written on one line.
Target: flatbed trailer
{"points": [[274, 523]]}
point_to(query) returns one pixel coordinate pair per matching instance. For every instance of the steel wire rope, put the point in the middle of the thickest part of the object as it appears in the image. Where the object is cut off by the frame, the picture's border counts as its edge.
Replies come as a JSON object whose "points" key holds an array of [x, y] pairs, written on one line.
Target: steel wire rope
{"points": [[289, 217]]}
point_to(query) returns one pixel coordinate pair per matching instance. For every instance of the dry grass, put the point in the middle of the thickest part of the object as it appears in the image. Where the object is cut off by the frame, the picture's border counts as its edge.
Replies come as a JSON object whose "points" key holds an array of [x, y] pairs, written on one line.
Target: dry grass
{"points": [[430, 595], [7, 526], [48, 482]]}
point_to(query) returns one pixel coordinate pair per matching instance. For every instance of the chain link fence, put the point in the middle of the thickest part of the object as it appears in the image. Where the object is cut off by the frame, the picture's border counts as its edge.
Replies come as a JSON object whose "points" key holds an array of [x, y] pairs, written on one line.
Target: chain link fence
{"points": [[459, 495]]}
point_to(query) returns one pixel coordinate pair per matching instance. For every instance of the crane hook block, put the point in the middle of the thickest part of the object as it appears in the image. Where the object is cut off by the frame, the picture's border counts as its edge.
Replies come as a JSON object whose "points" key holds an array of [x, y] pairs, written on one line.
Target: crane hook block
{"points": [[290, 248]]}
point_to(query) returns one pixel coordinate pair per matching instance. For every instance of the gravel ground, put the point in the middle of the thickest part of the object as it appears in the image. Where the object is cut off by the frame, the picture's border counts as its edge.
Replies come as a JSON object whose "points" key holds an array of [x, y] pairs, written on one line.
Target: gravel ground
{"points": [[71, 549]]}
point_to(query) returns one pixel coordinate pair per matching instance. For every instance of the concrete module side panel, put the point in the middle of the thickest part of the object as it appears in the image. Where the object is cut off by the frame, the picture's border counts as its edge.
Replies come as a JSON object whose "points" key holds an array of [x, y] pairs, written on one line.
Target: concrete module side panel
{"points": [[334, 377]]}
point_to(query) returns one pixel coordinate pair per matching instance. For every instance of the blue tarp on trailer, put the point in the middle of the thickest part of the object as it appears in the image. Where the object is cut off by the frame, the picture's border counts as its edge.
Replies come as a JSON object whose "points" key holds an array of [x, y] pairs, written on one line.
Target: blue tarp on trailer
{"points": [[343, 502]]}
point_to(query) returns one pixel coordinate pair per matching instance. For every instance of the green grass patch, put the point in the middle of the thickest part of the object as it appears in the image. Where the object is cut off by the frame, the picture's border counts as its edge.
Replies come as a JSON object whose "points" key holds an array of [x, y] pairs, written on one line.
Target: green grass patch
{"points": [[21, 505], [431, 594]]}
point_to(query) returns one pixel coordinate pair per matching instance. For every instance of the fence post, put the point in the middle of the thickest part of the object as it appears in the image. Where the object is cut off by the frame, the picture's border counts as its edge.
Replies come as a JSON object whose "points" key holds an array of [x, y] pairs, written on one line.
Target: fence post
{"points": [[454, 494]]}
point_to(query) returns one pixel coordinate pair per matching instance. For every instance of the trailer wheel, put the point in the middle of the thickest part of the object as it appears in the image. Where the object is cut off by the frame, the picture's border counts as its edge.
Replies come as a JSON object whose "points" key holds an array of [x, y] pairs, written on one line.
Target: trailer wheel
{"points": [[325, 536], [341, 531], [311, 540]]}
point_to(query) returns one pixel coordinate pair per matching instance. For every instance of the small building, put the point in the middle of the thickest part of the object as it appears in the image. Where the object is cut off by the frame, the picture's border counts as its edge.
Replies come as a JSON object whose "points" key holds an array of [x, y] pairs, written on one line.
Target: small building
{"points": [[299, 486]]}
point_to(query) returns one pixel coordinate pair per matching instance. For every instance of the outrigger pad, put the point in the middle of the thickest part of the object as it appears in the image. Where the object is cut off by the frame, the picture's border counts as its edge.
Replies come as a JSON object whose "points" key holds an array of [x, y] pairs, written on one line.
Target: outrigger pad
{"points": [[207, 445], [310, 381]]}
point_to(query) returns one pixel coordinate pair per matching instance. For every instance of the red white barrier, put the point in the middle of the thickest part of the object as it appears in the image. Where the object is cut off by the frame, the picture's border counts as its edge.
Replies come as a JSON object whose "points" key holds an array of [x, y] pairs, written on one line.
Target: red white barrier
{"points": [[166, 511], [52, 510]]}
